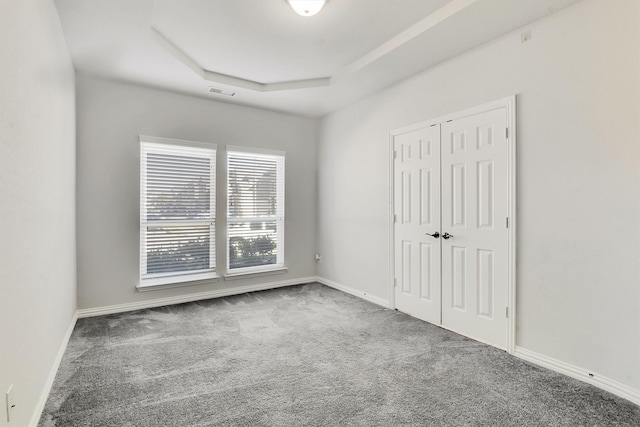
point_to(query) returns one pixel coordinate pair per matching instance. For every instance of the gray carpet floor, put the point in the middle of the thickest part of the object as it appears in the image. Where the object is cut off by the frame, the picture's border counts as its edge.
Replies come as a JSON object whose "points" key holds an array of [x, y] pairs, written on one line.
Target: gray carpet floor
{"points": [[305, 356]]}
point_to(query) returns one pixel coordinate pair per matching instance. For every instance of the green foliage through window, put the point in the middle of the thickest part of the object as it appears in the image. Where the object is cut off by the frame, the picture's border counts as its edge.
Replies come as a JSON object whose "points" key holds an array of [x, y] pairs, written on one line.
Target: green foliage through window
{"points": [[251, 251]]}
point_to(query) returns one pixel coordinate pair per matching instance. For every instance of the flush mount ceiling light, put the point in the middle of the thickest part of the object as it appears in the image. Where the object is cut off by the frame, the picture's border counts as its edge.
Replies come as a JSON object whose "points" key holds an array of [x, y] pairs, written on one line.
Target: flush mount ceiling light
{"points": [[306, 7]]}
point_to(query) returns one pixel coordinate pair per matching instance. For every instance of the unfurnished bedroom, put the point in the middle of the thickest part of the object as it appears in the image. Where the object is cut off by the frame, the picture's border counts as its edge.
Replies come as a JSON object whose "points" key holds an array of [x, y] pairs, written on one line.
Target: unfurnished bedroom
{"points": [[319, 213]]}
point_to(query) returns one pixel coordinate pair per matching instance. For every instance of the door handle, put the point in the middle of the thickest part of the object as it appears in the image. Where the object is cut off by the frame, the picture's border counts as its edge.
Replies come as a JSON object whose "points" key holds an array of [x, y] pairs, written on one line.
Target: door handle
{"points": [[447, 236], [434, 235]]}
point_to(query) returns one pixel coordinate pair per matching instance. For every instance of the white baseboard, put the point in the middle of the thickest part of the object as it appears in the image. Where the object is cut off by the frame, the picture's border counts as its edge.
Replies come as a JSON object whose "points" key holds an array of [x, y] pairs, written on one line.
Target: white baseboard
{"points": [[121, 308], [44, 395], [354, 292], [572, 371]]}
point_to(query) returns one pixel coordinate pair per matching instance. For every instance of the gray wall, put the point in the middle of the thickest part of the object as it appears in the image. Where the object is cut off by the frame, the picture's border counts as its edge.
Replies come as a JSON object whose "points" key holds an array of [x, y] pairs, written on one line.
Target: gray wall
{"points": [[37, 201], [110, 118], [578, 87]]}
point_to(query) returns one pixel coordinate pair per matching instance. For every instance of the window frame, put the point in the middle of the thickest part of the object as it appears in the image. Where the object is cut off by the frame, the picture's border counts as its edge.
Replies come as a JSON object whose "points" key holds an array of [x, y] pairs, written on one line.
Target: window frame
{"points": [[279, 218], [177, 278]]}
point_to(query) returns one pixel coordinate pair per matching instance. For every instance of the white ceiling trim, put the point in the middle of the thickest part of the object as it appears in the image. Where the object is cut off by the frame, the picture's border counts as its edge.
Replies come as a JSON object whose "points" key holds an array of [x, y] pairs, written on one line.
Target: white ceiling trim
{"points": [[114, 39], [407, 35], [424, 25], [212, 76]]}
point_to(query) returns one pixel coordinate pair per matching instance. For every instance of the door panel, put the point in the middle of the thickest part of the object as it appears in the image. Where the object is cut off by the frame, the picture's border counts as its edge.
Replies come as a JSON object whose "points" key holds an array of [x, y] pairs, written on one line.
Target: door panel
{"points": [[458, 195], [417, 204], [426, 268], [485, 283], [474, 212], [405, 276], [426, 213], [458, 277], [484, 212]]}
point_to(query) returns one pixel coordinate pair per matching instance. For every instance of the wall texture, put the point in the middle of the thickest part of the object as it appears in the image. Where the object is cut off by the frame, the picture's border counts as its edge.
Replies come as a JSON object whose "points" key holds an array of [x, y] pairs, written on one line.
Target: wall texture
{"points": [[578, 87], [110, 118], [37, 201]]}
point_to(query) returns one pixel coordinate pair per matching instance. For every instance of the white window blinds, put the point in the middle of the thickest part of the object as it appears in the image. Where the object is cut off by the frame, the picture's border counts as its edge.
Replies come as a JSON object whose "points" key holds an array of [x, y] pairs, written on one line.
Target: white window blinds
{"points": [[255, 217], [177, 208]]}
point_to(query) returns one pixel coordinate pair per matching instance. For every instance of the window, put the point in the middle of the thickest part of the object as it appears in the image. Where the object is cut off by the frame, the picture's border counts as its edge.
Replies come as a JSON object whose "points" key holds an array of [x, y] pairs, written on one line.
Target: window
{"points": [[255, 215], [177, 211]]}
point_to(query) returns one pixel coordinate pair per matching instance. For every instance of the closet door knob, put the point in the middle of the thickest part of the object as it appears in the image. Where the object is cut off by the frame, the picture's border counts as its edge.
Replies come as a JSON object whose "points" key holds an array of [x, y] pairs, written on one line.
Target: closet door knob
{"points": [[447, 236], [434, 235]]}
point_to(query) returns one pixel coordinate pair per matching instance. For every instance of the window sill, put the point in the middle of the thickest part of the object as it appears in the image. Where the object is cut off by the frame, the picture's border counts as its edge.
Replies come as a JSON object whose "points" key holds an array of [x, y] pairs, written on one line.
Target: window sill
{"points": [[168, 282], [257, 273]]}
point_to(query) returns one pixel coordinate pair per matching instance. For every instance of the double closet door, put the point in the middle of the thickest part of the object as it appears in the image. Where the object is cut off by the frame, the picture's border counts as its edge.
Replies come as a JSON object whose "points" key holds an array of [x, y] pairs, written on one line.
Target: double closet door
{"points": [[451, 225]]}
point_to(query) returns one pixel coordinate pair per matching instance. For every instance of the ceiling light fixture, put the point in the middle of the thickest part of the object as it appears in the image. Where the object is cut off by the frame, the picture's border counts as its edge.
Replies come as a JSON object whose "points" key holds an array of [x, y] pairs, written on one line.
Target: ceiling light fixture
{"points": [[306, 7]]}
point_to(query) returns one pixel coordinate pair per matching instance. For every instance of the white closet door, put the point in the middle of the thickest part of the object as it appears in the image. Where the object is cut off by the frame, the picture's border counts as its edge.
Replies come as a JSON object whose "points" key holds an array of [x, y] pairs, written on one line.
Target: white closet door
{"points": [[474, 213], [417, 214]]}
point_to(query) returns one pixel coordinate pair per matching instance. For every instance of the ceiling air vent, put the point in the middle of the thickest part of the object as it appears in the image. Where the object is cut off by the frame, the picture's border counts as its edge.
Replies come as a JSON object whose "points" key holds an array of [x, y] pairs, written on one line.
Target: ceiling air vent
{"points": [[221, 91]]}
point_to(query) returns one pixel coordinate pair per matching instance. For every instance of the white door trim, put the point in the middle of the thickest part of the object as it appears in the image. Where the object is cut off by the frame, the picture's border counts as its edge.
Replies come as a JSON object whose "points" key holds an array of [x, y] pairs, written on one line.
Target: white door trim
{"points": [[509, 103]]}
